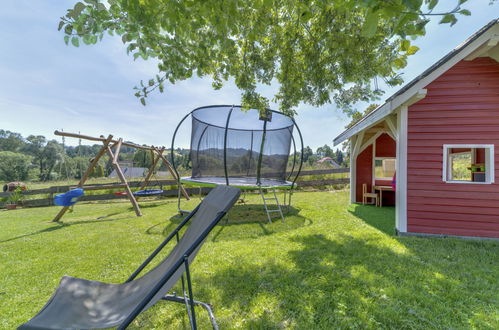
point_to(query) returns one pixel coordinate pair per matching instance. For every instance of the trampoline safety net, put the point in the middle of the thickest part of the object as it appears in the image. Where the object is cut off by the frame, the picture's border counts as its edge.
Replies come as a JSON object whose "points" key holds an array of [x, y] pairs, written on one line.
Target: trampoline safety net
{"points": [[227, 142]]}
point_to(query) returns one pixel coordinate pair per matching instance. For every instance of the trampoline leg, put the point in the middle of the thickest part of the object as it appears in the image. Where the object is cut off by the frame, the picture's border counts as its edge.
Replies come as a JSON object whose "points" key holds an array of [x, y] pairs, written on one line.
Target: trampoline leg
{"points": [[179, 196]]}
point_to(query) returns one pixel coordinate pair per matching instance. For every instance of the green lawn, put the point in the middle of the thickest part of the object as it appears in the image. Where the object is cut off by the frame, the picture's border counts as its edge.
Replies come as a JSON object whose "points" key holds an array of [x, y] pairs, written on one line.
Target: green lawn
{"points": [[329, 265]]}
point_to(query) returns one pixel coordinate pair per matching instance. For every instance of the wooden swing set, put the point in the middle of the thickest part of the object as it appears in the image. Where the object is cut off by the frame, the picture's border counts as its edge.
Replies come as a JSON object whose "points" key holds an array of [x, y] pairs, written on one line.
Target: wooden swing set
{"points": [[108, 144]]}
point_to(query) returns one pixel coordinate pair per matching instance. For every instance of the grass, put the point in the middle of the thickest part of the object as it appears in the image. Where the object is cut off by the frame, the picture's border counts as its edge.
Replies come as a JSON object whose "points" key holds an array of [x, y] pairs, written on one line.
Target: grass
{"points": [[329, 265]]}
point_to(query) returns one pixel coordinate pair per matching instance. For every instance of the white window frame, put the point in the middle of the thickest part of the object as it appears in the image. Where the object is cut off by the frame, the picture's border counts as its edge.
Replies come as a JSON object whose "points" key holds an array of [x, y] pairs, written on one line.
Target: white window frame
{"points": [[489, 162], [374, 167]]}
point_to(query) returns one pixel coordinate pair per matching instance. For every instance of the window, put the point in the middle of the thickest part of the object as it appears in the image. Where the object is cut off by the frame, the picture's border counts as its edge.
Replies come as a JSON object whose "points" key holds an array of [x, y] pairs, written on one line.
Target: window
{"points": [[468, 163], [384, 168]]}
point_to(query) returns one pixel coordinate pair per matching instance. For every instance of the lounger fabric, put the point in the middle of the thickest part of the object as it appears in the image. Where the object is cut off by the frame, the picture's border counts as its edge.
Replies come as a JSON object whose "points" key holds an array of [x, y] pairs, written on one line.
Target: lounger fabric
{"points": [[86, 304]]}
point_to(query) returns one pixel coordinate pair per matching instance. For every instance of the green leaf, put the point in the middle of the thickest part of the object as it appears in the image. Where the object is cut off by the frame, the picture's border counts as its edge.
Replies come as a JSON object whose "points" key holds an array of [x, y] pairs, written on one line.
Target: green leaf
{"points": [[68, 29], [370, 25], [465, 12], [143, 101], [412, 50], [66, 39], [61, 24], [78, 8], [75, 41], [432, 4], [404, 45]]}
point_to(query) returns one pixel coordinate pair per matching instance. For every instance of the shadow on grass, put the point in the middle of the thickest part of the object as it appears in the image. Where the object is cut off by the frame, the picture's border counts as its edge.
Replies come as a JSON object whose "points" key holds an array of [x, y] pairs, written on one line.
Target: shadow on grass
{"points": [[351, 282], [240, 223], [381, 218], [62, 225]]}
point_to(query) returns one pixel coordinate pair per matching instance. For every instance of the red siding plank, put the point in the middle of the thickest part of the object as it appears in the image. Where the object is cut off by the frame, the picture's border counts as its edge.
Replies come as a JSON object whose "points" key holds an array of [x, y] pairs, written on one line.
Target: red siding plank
{"points": [[452, 216], [452, 231], [453, 224]]}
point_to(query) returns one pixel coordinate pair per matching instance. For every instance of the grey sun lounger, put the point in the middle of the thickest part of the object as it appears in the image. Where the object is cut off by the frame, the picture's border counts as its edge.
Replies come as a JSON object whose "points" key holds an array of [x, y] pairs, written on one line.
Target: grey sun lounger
{"points": [[86, 304]]}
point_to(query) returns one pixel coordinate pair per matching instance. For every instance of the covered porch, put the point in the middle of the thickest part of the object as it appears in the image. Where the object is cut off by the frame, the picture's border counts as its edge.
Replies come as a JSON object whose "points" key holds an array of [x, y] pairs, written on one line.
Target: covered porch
{"points": [[374, 163]]}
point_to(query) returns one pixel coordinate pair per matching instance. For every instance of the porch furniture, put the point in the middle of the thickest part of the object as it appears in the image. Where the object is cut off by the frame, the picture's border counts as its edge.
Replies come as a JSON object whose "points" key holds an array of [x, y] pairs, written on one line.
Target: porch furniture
{"points": [[381, 189], [366, 195]]}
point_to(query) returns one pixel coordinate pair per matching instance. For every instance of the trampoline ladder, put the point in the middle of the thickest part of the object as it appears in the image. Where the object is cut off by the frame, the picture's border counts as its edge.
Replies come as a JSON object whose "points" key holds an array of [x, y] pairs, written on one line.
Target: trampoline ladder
{"points": [[266, 206]]}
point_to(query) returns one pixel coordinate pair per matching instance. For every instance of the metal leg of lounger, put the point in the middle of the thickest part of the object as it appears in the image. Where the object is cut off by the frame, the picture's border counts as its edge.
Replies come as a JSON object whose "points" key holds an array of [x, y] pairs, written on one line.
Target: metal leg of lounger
{"points": [[179, 299], [192, 315]]}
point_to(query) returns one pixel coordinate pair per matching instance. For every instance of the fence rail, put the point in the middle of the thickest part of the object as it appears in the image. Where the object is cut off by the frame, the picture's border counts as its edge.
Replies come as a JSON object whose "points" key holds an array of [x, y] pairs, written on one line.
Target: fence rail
{"points": [[47, 201]]}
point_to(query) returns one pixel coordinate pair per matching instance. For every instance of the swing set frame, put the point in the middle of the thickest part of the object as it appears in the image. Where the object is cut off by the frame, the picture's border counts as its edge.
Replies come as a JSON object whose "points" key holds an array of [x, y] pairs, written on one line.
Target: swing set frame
{"points": [[108, 144]]}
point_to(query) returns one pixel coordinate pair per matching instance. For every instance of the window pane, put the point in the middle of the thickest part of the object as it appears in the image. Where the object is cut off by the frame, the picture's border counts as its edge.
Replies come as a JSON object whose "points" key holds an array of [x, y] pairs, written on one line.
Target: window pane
{"points": [[459, 166], [384, 168], [467, 164]]}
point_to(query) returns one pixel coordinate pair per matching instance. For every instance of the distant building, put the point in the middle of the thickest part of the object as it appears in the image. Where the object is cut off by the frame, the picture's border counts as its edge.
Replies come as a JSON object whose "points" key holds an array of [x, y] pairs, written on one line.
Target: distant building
{"points": [[130, 172], [328, 160]]}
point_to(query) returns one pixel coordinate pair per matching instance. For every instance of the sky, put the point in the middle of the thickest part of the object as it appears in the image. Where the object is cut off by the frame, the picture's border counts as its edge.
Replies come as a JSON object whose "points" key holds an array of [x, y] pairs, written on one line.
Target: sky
{"points": [[46, 85]]}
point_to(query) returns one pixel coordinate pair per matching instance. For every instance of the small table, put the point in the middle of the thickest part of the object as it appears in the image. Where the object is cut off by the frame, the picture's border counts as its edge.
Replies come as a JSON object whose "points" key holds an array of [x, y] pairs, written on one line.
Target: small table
{"points": [[381, 189]]}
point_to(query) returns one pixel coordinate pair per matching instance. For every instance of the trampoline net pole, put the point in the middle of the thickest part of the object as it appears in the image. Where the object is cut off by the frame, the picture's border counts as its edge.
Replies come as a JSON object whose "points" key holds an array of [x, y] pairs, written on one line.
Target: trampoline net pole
{"points": [[225, 146], [260, 156]]}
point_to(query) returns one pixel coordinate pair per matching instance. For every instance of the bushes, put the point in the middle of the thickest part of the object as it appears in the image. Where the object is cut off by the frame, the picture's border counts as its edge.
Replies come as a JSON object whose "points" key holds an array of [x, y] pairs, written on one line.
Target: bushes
{"points": [[14, 166]]}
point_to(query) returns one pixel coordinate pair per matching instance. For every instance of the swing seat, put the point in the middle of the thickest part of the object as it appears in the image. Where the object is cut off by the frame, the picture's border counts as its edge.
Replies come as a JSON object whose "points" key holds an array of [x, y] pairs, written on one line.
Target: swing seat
{"points": [[120, 193], [68, 198], [148, 192]]}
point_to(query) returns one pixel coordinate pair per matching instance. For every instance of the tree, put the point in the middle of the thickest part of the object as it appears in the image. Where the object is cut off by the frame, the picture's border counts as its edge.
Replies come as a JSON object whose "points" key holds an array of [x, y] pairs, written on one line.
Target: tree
{"points": [[307, 153], [142, 158], [53, 154], [10, 141], [14, 166], [339, 157], [318, 52], [325, 151]]}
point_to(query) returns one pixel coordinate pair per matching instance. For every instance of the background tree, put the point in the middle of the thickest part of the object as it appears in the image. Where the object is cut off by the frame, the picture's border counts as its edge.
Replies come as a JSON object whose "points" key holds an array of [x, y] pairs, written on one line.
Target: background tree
{"points": [[34, 147], [307, 153], [325, 151], [339, 159], [11, 141], [14, 166], [317, 51]]}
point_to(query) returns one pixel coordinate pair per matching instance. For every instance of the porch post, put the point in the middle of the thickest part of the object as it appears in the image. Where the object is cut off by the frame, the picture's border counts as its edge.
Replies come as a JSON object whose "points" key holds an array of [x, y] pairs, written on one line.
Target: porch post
{"points": [[401, 162], [352, 170]]}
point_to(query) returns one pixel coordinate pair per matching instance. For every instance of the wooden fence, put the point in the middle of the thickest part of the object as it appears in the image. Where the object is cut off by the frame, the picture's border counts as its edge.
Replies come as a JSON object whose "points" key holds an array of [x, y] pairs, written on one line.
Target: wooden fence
{"points": [[48, 200]]}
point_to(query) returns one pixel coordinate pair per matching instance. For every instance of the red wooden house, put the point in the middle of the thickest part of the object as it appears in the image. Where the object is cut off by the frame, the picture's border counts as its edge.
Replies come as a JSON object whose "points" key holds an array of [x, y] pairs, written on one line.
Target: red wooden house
{"points": [[440, 134]]}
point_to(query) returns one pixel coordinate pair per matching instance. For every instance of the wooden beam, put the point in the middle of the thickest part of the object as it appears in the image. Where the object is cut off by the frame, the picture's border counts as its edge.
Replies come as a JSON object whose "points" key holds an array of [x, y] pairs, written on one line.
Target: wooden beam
{"points": [[101, 139], [117, 150], [401, 163], [392, 126], [358, 144], [90, 167], [120, 174], [102, 187], [173, 173], [150, 172]]}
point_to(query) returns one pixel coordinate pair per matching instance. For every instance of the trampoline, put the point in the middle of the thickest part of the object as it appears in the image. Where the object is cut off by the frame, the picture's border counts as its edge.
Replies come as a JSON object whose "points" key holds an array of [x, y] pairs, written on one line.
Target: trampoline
{"points": [[247, 149]]}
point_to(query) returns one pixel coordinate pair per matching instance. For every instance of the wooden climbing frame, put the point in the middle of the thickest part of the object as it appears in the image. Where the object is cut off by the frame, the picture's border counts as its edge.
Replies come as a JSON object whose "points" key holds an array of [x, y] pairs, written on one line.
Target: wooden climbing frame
{"points": [[107, 147]]}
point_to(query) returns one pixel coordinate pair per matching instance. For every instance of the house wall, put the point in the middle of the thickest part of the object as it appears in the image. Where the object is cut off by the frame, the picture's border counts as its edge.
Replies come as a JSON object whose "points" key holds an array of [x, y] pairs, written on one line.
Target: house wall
{"points": [[461, 107], [386, 147], [364, 172]]}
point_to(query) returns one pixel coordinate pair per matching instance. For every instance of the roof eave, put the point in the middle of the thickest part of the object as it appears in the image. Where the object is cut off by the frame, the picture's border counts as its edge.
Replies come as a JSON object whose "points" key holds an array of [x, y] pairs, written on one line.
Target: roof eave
{"points": [[415, 87]]}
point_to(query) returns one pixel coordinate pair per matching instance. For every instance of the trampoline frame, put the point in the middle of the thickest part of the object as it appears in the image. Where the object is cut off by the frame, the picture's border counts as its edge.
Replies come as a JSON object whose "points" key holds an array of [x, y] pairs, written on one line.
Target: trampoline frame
{"points": [[258, 185]]}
